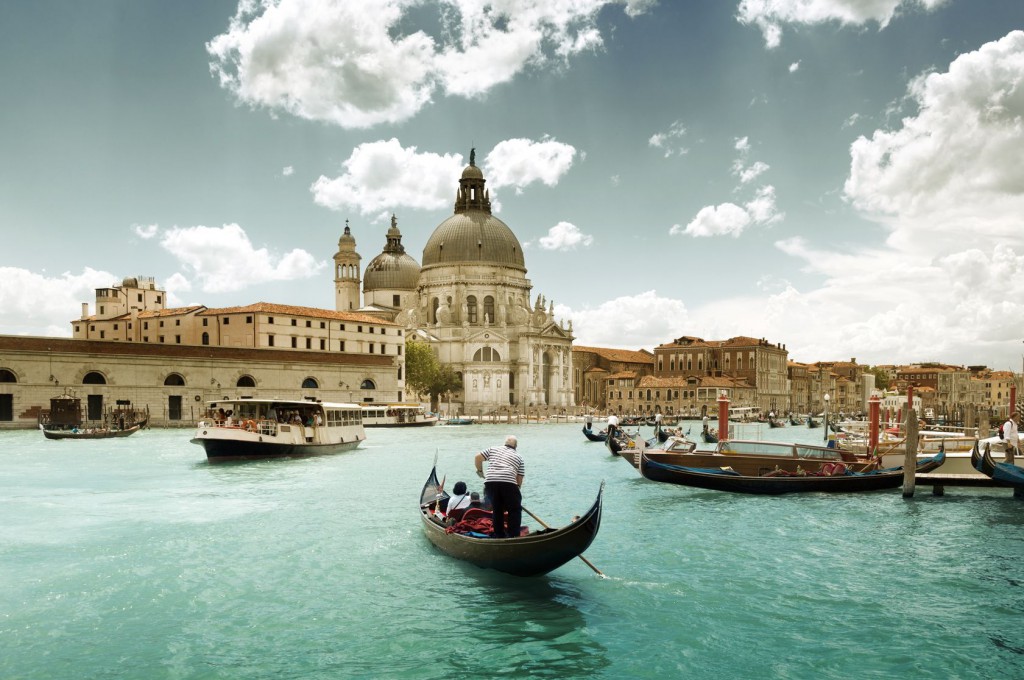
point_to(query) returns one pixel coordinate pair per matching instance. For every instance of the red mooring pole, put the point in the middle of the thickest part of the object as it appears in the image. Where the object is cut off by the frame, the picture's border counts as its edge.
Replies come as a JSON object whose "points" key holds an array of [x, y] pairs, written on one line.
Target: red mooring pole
{"points": [[723, 417], [873, 408]]}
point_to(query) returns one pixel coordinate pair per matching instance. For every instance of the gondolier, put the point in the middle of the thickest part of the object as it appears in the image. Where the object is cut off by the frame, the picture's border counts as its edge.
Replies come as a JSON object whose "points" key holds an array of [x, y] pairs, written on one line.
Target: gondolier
{"points": [[502, 482], [1011, 435]]}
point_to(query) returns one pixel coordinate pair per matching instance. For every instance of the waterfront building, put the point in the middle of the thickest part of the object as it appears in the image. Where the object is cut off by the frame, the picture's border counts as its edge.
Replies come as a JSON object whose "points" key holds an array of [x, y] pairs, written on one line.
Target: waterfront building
{"points": [[171, 360], [744, 361], [596, 371]]}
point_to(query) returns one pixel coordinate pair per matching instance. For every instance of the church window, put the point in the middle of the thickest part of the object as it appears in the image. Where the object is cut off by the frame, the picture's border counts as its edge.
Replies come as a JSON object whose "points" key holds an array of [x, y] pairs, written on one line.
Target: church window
{"points": [[471, 309], [489, 309], [367, 385], [245, 381], [310, 384], [434, 304], [486, 354], [94, 378]]}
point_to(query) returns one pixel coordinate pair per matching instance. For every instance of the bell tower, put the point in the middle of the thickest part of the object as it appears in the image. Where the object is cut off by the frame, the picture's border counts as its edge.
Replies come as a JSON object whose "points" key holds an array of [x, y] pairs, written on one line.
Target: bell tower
{"points": [[346, 273]]}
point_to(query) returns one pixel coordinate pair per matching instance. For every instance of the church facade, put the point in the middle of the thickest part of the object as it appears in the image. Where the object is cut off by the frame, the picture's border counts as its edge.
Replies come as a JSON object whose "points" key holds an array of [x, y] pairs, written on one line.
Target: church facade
{"points": [[470, 300]]}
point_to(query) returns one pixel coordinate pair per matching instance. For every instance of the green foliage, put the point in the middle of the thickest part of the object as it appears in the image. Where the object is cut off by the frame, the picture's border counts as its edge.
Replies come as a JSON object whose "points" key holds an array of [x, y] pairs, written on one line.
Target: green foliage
{"points": [[424, 374], [881, 376]]}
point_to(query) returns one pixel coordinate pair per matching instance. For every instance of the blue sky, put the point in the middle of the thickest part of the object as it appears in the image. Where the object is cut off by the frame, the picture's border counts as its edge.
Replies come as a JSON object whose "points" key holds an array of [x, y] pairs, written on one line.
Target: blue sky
{"points": [[840, 176]]}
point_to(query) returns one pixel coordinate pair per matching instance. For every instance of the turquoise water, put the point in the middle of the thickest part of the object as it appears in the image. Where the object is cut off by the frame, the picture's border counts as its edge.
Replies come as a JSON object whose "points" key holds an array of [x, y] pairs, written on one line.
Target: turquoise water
{"points": [[134, 558]]}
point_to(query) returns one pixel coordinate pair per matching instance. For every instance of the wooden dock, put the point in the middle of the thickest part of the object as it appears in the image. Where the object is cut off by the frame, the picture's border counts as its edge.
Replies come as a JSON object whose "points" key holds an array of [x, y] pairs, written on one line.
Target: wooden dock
{"points": [[939, 482]]}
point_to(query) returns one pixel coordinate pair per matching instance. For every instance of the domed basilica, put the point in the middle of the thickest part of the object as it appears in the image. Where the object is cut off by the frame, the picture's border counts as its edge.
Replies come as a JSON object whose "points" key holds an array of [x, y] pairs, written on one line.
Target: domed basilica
{"points": [[470, 299]]}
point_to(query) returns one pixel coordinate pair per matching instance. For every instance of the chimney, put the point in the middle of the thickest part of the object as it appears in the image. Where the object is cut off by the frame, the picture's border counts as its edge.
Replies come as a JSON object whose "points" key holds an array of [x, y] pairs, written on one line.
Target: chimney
{"points": [[85, 310]]}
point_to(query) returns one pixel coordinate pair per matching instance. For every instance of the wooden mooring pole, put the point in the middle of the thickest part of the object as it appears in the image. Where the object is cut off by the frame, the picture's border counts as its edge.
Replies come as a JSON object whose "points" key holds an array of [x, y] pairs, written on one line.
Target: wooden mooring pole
{"points": [[910, 460]]}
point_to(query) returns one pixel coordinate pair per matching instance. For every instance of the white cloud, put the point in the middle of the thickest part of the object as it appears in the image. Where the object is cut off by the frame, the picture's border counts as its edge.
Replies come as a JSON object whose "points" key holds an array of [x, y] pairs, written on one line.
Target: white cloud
{"points": [[729, 219], [565, 236], [794, 67], [287, 171], [750, 172], [383, 175], [145, 231], [670, 141], [954, 167], [223, 259], [36, 304], [520, 162], [359, 63], [770, 15], [628, 321]]}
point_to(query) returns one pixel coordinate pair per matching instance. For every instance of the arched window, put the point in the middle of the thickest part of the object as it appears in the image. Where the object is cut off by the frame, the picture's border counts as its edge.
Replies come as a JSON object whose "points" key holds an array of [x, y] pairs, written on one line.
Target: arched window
{"points": [[486, 354], [471, 309], [367, 385], [435, 303], [7, 376], [94, 378], [246, 381], [310, 384], [174, 380], [489, 309], [206, 338]]}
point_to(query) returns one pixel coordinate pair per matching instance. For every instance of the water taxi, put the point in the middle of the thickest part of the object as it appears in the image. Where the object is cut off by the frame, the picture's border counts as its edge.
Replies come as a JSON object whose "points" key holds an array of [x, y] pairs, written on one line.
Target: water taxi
{"points": [[248, 429], [397, 415]]}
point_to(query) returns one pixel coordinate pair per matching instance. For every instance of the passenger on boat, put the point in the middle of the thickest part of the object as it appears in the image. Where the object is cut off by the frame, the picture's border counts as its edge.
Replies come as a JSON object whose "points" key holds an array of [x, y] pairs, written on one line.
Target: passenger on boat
{"points": [[459, 499]]}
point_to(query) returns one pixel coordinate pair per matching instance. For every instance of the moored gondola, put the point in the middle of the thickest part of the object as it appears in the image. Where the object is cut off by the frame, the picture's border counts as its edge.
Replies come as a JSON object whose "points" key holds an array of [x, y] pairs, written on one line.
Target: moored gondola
{"points": [[1004, 473], [830, 478], [533, 554]]}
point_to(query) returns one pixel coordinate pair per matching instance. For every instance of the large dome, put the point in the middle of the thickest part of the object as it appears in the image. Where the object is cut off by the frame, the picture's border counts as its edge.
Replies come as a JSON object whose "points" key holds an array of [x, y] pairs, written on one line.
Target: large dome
{"points": [[473, 235]]}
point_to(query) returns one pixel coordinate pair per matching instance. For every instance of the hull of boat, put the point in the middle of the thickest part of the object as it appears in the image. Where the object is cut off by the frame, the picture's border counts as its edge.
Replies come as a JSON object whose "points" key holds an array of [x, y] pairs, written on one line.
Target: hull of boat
{"points": [[218, 450]]}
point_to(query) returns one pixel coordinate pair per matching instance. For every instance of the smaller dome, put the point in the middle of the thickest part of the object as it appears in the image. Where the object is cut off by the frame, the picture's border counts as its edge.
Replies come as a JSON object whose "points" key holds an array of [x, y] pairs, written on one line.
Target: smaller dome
{"points": [[472, 172], [391, 271]]}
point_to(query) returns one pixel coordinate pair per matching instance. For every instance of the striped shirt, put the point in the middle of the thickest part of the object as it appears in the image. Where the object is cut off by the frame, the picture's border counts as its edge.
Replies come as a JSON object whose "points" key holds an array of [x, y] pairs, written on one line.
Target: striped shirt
{"points": [[503, 464]]}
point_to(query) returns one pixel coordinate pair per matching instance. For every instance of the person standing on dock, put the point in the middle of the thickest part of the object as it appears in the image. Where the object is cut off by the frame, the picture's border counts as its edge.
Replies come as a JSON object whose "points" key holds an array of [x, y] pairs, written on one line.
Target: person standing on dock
{"points": [[502, 482], [1012, 437]]}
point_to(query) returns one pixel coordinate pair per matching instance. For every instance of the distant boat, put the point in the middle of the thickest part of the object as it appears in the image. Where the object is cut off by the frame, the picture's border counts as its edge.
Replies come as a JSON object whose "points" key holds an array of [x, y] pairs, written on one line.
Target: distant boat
{"points": [[64, 420], [594, 436], [459, 421], [251, 429], [397, 415]]}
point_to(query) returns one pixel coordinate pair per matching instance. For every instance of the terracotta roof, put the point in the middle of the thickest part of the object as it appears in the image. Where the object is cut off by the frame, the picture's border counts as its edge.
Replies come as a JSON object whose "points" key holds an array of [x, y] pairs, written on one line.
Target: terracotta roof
{"points": [[621, 374], [272, 308], [595, 369], [681, 382], [146, 314], [625, 355]]}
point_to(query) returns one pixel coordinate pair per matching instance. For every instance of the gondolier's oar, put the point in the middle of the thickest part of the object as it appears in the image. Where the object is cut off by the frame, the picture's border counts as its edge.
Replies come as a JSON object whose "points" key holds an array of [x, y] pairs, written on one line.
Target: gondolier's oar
{"points": [[585, 560]]}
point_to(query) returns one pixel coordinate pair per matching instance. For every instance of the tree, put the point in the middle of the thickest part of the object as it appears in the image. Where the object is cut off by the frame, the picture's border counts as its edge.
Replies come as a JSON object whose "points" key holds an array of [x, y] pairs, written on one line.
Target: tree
{"points": [[425, 374], [881, 376]]}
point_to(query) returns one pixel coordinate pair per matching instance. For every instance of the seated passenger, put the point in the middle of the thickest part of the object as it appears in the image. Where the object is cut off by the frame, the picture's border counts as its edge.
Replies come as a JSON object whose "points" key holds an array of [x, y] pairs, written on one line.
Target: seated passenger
{"points": [[458, 502]]}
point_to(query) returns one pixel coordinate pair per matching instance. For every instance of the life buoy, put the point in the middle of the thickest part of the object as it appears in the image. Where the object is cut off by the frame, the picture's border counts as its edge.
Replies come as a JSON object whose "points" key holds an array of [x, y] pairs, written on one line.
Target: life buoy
{"points": [[198, 398]]}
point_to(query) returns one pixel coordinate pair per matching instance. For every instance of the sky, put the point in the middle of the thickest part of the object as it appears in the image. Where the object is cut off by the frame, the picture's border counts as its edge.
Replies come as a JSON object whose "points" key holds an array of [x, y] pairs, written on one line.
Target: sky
{"points": [[843, 177]]}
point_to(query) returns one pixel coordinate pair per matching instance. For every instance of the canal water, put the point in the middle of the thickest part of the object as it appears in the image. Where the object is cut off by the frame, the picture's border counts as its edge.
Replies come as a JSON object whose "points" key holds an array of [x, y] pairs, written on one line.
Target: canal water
{"points": [[134, 558]]}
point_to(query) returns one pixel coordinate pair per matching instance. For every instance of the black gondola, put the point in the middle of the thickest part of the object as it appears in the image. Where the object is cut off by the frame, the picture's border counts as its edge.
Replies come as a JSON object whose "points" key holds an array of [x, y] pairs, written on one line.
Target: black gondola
{"points": [[724, 479], [811, 422], [1004, 473], [534, 554], [709, 437], [594, 436]]}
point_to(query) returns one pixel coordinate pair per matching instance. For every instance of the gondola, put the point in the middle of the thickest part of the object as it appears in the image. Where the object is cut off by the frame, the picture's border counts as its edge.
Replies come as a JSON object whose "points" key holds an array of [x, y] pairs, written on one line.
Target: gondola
{"points": [[534, 554], [594, 436], [709, 437], [811, 422], [725, 479], [772, 422], [89, 433], [793, 421], [1004, 473]]}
